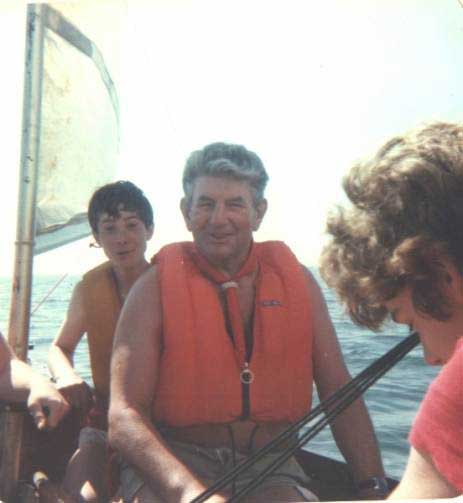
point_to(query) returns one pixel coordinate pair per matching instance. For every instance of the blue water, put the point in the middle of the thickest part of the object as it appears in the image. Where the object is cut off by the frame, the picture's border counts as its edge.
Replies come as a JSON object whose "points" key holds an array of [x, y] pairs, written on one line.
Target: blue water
{"points": [[392, 401]]}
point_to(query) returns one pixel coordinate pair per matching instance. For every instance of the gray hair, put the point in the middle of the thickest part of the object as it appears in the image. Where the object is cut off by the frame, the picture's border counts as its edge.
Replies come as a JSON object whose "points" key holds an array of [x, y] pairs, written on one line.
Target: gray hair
{"points": [[225, 160]]}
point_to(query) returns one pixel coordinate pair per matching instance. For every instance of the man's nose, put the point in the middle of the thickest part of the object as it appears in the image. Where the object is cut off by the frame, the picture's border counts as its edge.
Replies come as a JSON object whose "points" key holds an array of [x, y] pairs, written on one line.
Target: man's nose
{"points": [[218, 215]]}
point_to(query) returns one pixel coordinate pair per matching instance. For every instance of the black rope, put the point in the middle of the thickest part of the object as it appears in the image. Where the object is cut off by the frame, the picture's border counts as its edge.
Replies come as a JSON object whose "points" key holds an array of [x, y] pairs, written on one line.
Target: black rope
{"points": [[350, 397], [331, 407]]}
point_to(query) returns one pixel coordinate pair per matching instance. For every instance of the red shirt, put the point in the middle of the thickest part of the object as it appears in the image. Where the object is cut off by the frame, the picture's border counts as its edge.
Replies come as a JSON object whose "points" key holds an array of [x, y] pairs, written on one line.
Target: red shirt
{"points": [[438, 427]]}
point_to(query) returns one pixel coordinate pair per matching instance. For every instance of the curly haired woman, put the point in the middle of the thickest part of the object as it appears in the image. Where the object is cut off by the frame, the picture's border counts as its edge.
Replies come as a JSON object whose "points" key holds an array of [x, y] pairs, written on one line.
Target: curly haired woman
{"points": [[397, 253]]}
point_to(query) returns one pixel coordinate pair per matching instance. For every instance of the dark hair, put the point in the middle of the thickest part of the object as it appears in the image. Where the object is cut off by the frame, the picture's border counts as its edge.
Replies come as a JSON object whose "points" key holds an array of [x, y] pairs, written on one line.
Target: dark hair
{"points": [[225, 159], [117, 196], [406, 216]]}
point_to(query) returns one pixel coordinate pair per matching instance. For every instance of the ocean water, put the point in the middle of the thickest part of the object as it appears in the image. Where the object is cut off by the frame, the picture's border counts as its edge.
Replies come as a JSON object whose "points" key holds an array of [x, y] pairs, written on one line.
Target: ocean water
{"points": [[392, 401]]}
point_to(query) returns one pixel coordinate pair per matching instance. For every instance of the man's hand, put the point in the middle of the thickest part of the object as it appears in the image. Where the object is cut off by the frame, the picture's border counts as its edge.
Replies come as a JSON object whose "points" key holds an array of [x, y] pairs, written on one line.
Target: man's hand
{"points": [[46, 404], [76, 391], [371, 494]]}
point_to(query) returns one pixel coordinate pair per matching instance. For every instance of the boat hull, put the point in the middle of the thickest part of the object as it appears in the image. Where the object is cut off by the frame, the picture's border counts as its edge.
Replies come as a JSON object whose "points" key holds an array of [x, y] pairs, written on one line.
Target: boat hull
{"points": [[49, 452]]}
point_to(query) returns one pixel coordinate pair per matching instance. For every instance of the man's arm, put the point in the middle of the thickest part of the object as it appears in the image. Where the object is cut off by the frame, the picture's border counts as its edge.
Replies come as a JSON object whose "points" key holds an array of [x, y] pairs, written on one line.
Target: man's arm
{"points": [[134, 374], [60, 358], [421, 480], [19, 382], [352, 429]]}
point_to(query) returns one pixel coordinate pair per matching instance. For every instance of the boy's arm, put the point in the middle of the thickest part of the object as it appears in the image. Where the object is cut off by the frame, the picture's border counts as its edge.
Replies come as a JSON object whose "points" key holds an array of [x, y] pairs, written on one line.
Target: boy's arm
{"points": [[60, 358]]}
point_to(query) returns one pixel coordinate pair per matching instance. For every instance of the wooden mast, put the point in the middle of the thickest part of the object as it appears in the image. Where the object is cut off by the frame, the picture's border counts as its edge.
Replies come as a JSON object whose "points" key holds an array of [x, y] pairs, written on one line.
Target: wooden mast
{"points": [[18, 333]]}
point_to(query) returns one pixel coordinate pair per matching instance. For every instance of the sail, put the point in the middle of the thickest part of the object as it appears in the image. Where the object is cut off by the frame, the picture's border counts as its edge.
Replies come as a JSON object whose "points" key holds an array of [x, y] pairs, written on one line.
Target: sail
{"points": [[79, 133]]}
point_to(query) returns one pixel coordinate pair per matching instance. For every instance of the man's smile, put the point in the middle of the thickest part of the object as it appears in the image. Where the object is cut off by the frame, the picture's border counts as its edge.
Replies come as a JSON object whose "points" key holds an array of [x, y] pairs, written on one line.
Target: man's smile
{"points": [[218, 237]]}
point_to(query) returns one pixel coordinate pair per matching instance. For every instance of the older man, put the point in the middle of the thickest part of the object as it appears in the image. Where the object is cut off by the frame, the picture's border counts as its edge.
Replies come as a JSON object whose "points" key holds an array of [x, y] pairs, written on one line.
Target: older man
{"points": [[217, 348]]}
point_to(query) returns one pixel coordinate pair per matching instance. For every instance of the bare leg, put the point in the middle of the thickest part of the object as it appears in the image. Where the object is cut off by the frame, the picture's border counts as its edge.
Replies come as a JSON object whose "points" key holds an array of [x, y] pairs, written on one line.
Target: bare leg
{"points": [[87, 473]]}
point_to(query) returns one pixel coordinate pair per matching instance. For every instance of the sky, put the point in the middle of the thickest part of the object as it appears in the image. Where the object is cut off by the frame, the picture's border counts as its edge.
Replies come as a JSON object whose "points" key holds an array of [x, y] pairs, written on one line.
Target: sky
{"points": [[310, 85]]}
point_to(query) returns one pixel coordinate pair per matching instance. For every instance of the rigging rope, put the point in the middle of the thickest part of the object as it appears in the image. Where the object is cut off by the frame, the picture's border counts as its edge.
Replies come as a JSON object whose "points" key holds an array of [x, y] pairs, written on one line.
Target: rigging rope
{"points": [[331, 408], [53, 288]]}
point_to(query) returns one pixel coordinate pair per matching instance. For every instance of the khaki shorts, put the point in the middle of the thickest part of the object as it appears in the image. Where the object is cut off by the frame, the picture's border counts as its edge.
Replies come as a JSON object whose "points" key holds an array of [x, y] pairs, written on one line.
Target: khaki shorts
{"points": [[212, 463]]}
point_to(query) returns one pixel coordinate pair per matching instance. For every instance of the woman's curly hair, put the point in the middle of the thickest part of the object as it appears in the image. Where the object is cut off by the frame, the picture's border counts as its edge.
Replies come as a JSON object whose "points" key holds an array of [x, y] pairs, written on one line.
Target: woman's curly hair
{"points": [[406, 214]]}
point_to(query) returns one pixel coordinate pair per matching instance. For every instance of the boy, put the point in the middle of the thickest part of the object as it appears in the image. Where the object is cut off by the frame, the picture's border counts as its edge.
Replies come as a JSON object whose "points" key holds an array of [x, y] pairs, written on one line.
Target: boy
{"points": [[121, 219]]}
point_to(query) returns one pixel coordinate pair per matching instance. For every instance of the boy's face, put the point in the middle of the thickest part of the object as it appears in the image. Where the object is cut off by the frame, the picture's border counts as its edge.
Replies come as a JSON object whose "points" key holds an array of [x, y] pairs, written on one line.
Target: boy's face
{"points": [[123, 238]]}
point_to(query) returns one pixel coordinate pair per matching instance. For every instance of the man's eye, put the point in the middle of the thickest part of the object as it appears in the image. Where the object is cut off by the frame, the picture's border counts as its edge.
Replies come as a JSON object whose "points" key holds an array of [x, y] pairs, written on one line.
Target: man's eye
{"points": [[109, 228], [132, 225], [236, 205], [205, 205]]}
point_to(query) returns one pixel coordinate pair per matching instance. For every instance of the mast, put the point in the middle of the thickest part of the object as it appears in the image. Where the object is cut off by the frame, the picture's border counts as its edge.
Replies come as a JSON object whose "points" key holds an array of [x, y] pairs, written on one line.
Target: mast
{"points": [[18, 333], [51, 205]]}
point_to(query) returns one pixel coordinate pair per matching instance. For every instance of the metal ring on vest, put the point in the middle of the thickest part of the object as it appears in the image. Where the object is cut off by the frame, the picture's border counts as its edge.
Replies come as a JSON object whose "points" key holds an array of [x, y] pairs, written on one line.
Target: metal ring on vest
{"points": [[246, 375]]}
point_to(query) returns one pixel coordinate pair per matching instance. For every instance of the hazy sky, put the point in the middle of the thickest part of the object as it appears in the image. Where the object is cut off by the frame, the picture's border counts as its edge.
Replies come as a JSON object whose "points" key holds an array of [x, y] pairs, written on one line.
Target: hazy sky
{"points": [[310, 85]]}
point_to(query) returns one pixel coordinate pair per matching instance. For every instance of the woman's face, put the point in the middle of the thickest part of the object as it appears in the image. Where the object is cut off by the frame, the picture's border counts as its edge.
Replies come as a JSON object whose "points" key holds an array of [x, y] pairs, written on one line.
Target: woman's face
{"points": [[438, 338]]}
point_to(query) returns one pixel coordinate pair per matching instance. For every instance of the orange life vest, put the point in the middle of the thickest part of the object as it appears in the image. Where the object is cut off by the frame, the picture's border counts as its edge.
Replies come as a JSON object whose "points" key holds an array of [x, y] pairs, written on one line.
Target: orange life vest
{"points": [[199, 377], [102, 306]]}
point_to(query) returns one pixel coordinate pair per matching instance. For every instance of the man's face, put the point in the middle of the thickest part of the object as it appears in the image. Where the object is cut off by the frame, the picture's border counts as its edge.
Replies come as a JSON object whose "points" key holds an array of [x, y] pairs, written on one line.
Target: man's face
{"points": [[222, 217], [123, 238]]}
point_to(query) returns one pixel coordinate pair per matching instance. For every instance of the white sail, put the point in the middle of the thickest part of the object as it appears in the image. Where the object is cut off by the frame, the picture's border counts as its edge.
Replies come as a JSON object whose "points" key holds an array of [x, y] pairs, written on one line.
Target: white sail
{"points": [[79, 138]]}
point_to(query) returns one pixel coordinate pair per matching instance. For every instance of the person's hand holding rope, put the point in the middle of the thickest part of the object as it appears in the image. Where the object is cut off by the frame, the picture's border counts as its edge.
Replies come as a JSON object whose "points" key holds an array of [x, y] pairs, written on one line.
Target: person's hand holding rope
{"points": [[46, 404]]}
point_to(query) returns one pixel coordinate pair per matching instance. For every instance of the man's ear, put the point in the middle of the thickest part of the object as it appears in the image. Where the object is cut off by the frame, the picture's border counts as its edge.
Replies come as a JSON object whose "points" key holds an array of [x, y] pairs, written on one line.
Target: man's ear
{"points": [[261, 209], [184, 208]]}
